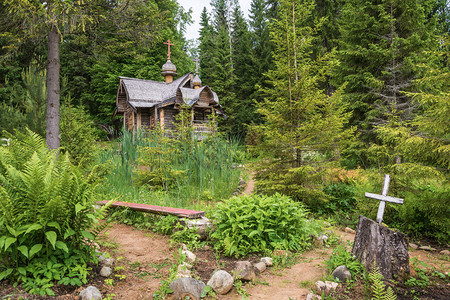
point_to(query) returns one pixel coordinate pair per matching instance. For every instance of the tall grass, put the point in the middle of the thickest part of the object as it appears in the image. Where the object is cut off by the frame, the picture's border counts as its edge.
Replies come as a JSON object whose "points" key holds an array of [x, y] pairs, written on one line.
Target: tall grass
{"points": [[190, 172]]}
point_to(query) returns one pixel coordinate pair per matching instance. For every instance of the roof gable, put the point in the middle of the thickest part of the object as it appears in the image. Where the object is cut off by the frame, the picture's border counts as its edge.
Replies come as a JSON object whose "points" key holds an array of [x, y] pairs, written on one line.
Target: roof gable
{"points": [[148, 93]]}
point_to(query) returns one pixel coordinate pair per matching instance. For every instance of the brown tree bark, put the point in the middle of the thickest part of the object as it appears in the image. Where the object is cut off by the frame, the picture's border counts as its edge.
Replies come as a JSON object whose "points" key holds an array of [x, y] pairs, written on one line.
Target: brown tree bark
{"points": [[53, 89]]}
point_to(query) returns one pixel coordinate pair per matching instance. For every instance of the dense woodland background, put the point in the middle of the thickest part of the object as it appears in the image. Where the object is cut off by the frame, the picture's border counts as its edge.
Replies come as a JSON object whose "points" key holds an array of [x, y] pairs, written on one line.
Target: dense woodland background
{"points": [[323, 98], [310, 87]]}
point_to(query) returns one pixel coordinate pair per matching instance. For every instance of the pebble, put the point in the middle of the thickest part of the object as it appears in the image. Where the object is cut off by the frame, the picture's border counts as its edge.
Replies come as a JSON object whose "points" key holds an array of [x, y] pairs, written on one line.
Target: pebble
{"points": [[349, 230]]}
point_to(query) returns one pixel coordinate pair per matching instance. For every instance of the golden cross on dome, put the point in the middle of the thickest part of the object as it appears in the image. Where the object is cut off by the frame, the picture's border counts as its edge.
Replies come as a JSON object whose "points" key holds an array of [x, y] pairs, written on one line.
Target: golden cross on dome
{"points": [[196, 65], [168, 43]]}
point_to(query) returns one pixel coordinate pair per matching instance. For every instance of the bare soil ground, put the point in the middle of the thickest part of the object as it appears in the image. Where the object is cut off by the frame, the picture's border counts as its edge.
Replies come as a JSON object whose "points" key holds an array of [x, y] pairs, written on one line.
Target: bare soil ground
{"points": [[143, 260]]}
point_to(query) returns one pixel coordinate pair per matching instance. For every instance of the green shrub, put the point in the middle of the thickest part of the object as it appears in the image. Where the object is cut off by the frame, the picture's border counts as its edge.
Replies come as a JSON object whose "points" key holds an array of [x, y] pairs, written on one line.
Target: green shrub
{"points": [[248, 224], [78, 134], [342, 198], [46, 217]]}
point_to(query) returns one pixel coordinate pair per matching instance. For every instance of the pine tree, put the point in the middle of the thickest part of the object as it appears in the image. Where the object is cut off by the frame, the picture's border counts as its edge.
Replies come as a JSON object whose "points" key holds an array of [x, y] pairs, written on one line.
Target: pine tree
{"points": [[304, 126]]}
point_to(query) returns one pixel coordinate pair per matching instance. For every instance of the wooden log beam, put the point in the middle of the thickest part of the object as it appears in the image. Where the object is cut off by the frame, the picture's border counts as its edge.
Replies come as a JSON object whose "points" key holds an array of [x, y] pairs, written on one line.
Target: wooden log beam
{"points": [[159, 210]]}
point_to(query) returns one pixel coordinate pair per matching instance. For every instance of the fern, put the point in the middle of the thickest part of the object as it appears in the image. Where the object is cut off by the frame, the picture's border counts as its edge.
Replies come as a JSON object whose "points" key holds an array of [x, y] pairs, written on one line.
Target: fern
{"points": [[45, 212], [378, 287]]}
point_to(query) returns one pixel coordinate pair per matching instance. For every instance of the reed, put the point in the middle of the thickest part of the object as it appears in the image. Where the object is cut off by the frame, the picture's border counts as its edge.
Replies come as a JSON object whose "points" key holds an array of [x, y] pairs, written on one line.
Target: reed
{"points": [[183, 173]]}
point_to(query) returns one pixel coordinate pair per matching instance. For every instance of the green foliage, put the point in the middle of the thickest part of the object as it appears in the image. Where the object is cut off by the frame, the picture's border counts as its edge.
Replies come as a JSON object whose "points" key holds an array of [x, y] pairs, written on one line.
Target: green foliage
{"points": [[46, 217], [27, 104], [249, 224], [377, 285], [151, 168], [341, 256], [342, 197], [304, 126], [78, 135], [427, 199]]}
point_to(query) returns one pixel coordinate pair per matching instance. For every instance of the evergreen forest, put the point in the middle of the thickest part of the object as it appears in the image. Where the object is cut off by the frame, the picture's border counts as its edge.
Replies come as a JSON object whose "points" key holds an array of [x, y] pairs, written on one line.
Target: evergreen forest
{"points": [[322, 98]]}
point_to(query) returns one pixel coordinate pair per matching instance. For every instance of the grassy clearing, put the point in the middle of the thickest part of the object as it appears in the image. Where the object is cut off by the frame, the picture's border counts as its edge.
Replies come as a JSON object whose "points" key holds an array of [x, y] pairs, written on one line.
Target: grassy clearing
{"points": [[153, 169]]}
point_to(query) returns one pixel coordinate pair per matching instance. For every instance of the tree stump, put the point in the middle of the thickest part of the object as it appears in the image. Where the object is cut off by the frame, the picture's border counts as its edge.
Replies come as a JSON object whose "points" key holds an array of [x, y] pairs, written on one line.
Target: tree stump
{"points": [[388, 249]]}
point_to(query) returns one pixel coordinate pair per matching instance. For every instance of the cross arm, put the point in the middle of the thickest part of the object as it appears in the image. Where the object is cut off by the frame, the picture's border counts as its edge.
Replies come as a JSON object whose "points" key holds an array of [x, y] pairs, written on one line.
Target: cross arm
{"points": [[384, 198]]}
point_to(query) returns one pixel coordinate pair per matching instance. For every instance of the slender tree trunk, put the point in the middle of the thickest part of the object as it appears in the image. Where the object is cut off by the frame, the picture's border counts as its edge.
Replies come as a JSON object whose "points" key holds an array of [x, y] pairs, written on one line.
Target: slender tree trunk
{"points": [[53, 89]]}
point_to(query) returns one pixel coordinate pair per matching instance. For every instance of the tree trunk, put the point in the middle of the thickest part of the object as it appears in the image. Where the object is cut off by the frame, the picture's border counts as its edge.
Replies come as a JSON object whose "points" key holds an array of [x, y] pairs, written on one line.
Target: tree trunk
{"points": [[387, 248], [53, 89]]}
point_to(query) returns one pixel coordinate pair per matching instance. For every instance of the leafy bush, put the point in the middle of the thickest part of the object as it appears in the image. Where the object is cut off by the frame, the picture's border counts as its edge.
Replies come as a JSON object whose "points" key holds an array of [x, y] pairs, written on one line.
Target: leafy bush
{"points": [[342, 197], [46, 217], [248, 224], [78, 134]]}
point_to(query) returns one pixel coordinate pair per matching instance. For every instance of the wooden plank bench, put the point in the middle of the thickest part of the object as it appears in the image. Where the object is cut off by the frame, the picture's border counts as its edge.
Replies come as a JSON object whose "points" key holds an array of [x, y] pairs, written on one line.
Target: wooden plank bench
{"points": [[160, 210]]}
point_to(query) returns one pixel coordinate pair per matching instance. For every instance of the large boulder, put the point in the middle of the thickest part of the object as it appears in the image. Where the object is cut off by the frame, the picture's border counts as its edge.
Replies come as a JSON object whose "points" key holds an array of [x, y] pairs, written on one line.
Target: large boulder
{"points": [[221, 282], [244, 270], [387, 248], [187, 287]]}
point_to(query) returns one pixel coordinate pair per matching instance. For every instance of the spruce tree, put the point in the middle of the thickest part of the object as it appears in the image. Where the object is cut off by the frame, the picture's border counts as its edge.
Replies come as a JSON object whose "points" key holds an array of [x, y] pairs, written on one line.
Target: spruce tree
{"points": [[243, 110], [206, 48], [303, 125], [379, 41]]}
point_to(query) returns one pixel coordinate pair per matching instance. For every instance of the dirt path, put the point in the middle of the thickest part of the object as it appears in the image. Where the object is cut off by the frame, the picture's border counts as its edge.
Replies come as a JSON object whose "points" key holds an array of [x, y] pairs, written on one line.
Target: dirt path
{"points": [[143, 259], [250, 187]]}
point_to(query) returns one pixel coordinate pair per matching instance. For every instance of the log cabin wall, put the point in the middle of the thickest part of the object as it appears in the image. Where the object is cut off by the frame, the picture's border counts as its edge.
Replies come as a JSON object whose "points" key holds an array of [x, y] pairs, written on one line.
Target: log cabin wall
{"points": [[170, 117], [145, 117], [121, 100]]}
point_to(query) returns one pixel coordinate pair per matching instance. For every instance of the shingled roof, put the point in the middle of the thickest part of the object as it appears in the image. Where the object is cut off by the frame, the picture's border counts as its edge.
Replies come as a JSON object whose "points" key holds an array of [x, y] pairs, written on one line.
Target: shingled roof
{"points": [[148, 93], [191, 96]]}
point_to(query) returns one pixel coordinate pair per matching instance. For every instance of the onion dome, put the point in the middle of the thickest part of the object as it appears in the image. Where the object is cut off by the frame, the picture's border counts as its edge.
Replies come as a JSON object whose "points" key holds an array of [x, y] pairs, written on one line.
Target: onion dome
{"points": [[169, 69], [197, 82]]}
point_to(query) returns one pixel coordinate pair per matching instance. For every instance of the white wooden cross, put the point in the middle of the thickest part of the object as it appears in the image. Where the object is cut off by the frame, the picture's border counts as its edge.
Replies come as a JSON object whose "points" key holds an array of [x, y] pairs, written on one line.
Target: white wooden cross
{"points": [[384, 198]]}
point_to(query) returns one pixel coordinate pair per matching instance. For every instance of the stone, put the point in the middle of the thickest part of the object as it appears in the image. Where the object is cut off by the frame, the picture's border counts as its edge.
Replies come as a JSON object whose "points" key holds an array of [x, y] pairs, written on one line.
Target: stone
{"points": [[413, 246], [445, 252], [190, 257], [427, 248], [312, 296], [184, 247], [90, 293], [203, 224], [325, 288], [349, 230], [105, 271], [260, 267], [268, 261], [221, 282], [322, 239], [388, 249], [108, 262], [244, 270], [342, 273], [187, 287]]}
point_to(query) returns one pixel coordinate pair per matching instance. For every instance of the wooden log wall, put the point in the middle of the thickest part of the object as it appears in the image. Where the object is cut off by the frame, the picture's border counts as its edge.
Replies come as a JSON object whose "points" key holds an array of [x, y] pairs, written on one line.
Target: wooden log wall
{"points": [[121, 100], [169, 117], [145, 117]]}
